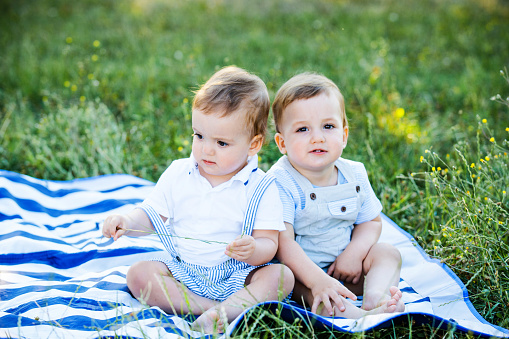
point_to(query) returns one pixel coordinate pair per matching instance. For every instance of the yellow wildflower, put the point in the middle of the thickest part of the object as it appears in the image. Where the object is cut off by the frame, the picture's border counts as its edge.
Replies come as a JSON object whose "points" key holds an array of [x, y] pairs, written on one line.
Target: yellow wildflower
{"points": [[492, 139], [487, 158], [400, 112], [422, 158], [97, 43], [67, 83], [82, 98], [94, 57], [74, 88], [68, 40], [473, 165], [484, 121]]}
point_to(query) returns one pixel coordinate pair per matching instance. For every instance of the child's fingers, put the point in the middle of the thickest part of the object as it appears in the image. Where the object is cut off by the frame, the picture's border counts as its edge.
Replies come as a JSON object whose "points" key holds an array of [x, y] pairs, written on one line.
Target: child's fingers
{"points": [[339, 302], [347, 293], [326, 303], [107, 225], [244, 240], [119, 232], [316, 303]]}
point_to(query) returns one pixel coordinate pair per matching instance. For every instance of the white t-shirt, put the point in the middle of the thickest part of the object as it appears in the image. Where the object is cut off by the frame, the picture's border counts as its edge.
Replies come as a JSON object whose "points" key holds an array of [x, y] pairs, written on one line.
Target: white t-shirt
{"points": [[196, 210]]}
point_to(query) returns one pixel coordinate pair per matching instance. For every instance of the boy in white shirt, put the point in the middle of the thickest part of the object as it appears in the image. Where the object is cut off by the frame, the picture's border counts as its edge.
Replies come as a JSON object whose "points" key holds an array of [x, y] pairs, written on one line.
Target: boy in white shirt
{"points": [[331, 214], [217, 214]]}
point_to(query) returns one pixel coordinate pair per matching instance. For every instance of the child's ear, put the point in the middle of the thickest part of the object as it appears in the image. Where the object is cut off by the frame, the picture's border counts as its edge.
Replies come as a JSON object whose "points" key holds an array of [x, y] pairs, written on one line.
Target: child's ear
{"points": [[345, 136], [256, 145], [280, 142]]}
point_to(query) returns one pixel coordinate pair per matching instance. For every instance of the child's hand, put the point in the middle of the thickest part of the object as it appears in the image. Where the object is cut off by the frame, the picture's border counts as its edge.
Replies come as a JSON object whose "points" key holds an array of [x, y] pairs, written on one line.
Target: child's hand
{"points": [[330, 291], [115, 226], [241, 248], [347, 267]]}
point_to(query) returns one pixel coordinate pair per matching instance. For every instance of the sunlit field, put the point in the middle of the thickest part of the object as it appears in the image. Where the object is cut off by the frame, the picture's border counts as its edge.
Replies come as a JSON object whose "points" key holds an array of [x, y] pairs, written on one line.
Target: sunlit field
{"points": [[96, 87]]}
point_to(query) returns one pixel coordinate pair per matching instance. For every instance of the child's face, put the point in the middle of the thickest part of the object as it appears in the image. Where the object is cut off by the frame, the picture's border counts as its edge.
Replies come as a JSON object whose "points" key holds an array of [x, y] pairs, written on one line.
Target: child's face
{"points": [[312, 134], [221, 145]]}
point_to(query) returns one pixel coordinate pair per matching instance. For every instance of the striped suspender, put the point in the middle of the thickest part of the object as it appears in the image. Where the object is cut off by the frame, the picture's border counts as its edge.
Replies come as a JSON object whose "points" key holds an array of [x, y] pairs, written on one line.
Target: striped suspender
{"points": [[254, 201]]}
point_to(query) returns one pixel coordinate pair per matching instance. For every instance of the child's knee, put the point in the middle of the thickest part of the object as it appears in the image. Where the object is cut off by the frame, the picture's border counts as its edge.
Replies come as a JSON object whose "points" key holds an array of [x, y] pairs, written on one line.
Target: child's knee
{"points": [[386, 252], [137, 277], [286, 277]]}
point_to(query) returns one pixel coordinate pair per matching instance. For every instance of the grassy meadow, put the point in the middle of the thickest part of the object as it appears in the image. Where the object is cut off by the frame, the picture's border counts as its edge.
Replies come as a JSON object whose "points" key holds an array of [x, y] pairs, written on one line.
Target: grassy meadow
{"points": [[101, 86]]}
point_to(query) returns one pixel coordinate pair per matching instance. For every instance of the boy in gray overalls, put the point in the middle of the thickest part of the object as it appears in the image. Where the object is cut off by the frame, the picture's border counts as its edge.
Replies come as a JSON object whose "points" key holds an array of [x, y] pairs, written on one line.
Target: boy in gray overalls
{"points": [[331, 214]]}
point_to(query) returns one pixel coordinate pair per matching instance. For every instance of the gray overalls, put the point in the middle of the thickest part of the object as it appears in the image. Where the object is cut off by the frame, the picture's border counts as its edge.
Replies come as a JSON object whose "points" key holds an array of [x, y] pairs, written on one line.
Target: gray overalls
{"points": [[324, 227]]}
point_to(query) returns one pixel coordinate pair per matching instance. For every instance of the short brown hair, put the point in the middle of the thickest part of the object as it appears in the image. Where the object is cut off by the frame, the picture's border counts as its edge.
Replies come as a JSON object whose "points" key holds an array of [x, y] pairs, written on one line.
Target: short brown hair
{"points": [[231, 89], [305, 86]]}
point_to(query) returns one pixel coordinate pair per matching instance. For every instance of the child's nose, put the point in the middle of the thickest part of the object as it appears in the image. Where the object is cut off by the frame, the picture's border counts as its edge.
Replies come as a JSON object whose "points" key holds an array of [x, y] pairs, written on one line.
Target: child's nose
{"points": [[317, 136], [207, 148]]}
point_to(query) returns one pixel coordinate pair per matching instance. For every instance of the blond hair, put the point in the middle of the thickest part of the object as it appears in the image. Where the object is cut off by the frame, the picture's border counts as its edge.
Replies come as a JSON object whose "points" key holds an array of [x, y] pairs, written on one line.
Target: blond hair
{"points": [[231, 90], [305, 86]]}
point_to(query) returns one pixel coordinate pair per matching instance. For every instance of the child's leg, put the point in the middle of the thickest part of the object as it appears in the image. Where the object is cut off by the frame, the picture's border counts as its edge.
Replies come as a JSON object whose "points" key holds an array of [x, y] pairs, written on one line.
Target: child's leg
{"points": [[152, 282], [303, 296], [382, 266], [262, 284]]}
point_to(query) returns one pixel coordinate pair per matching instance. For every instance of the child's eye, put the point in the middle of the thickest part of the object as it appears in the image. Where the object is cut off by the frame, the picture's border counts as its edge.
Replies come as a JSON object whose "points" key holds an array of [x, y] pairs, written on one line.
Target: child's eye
{"points": [[222, 143], [328, 126], [302, 129], [197, 135]]}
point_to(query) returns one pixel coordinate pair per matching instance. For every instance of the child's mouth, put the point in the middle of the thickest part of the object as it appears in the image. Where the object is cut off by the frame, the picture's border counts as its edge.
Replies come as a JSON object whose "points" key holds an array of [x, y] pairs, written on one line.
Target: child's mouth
{"points": [[318, 151]]}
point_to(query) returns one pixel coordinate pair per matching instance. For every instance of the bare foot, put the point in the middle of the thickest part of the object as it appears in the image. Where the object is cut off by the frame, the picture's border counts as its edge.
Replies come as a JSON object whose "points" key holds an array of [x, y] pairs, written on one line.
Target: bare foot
{"points": [[209, 322], [376, 300], [397, 296]]}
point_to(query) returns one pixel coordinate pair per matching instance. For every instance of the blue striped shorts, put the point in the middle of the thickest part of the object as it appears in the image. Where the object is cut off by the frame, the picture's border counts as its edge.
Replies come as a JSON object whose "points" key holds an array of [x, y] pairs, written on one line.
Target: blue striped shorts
{"points": [[216, 282]]}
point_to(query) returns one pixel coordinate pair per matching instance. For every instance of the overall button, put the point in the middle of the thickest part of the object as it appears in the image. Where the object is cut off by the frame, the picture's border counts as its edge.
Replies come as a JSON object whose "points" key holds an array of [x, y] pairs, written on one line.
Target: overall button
{"points": [[358, 189], [343, 208], [178, 258], [312, 196]]}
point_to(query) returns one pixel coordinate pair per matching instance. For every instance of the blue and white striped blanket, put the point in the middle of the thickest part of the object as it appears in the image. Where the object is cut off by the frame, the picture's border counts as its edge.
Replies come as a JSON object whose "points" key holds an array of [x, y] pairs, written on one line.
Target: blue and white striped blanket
{"points": [[59, 278]]}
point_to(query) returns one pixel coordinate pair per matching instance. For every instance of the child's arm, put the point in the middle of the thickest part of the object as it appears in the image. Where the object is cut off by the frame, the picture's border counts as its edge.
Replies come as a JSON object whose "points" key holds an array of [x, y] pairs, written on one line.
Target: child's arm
{"points": [[254, 250], [323, 287], [119, 224], [348, 265]]}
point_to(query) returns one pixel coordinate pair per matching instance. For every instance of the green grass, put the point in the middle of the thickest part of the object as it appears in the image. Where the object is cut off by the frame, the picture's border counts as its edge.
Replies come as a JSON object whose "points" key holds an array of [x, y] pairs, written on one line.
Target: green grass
{"points": [[95, 87]]}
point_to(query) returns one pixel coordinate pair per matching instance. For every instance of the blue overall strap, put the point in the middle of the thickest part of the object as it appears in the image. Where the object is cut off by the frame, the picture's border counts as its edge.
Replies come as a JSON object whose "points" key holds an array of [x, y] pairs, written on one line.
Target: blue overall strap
{"points": [[254, 201], [160, 229]]}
